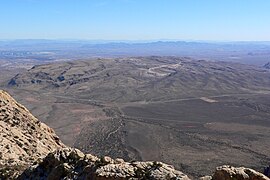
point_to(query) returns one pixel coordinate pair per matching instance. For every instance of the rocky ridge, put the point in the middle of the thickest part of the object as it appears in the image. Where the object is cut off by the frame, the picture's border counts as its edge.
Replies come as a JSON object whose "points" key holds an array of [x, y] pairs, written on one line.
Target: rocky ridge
{"points": [[23, 138], [71, 163]]}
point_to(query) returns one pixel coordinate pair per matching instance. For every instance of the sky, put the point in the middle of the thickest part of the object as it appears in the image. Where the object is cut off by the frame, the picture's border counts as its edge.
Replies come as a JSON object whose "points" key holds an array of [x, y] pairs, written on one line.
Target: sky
{"points": [[214, 20]]}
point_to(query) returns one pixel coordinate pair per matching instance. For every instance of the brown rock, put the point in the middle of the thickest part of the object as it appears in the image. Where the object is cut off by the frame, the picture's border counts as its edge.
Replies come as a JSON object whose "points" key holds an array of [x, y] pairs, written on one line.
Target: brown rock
{"points": [[241, 173], [107, 160], [206, 178], [119, 161]]}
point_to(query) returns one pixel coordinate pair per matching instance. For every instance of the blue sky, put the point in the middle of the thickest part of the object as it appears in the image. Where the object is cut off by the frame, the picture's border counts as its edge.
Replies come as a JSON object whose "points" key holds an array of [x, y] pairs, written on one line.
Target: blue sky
{"points": [[228, 20]]}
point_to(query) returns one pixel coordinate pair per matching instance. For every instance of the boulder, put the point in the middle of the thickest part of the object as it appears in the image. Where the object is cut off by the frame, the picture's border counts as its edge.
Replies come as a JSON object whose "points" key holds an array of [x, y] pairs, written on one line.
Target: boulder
{"points": [[240, 173]]}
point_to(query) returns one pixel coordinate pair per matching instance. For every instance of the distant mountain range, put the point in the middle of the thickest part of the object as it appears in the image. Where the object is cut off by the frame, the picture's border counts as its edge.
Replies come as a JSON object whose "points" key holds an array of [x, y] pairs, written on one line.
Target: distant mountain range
{"points": [[244, 52]]}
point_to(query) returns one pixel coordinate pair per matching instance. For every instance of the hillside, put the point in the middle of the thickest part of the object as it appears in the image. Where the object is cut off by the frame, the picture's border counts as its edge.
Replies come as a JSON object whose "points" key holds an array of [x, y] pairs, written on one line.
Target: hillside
{"points": [[144, 79]]}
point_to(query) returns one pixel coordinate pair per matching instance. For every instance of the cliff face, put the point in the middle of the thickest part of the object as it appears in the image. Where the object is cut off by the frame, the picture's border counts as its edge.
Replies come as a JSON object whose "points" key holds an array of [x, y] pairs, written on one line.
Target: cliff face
{"points": [[23, 139]]}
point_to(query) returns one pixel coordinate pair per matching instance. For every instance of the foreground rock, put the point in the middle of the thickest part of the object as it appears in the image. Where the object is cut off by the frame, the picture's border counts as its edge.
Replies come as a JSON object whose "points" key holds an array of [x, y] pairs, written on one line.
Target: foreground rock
{"points": [[23, 139], [71, 163], [232, 173]]}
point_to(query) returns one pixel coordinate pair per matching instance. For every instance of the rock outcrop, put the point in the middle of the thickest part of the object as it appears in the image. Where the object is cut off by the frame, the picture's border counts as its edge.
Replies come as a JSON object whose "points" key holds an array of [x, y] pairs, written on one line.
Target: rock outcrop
{"points": [[232, 173], [71, 163], [23, 139]]}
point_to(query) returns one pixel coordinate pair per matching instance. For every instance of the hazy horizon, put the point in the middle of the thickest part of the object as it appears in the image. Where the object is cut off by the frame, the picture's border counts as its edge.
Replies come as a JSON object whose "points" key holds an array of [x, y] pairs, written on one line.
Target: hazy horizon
{"points": [[134, 41]]}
